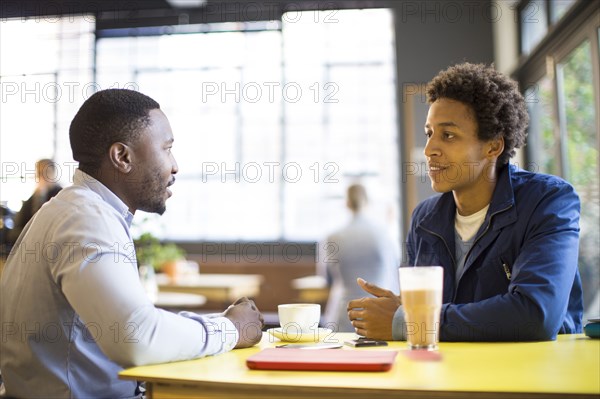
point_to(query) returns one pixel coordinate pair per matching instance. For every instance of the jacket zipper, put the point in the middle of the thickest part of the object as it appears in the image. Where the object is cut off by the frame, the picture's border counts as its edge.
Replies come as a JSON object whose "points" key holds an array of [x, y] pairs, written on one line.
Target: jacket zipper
{"points": [[485, 231], [472, 246], [447, 249], [444, 241], [506, 270], [482, 234]]}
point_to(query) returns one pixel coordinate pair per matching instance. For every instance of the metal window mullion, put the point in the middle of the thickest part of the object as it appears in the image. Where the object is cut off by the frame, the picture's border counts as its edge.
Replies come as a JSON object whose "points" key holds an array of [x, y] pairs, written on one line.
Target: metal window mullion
{"points": [[561, 121], [283, 141], [595, 48]]}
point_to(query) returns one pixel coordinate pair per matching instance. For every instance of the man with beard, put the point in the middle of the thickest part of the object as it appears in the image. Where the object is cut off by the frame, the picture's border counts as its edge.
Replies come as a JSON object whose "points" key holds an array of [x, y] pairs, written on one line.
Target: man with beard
{"points": [[72, 309]]}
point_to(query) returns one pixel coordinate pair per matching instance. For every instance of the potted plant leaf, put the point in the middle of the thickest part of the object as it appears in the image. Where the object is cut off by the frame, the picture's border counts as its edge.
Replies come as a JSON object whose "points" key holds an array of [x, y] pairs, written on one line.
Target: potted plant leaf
{"points": [[162, 257]]}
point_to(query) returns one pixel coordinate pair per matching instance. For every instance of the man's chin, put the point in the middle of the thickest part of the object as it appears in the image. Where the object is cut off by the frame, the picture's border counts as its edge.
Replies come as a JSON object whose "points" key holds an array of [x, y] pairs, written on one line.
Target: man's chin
{"points": [[438, 188], [156, 208]]}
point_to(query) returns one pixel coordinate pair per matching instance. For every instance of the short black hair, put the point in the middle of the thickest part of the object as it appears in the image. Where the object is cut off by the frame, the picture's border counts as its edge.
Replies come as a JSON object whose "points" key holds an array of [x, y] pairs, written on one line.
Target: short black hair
{"points": [[108, 116], [495, 98]]}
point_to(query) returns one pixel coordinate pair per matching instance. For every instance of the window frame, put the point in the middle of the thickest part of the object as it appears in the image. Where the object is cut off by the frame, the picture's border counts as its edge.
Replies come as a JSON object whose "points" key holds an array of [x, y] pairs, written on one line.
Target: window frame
{"points": [[284, 234], [552, 50], [580, 24], [550, 22]]}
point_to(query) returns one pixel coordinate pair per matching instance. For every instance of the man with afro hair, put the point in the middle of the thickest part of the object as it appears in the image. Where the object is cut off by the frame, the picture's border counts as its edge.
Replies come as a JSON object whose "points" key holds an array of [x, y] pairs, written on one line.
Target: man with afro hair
{"points": [[506, 238]]}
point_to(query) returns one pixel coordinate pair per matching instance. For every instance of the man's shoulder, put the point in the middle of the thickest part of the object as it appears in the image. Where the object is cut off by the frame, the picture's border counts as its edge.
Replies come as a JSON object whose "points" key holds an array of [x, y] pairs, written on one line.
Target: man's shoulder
{"points": [[76, 205], [72, 220], [78, 196], [427, 205], [535, 184]]}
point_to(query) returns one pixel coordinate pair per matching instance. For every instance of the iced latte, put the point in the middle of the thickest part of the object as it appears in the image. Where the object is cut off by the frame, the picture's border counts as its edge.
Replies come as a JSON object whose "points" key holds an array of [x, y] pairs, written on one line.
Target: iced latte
{"points": [[421, 293]]}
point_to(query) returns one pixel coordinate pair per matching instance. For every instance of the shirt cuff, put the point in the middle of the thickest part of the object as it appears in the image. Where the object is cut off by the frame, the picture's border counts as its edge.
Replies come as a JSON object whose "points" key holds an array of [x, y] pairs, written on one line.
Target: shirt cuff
{"points": [[399, 325], [221, 334]]}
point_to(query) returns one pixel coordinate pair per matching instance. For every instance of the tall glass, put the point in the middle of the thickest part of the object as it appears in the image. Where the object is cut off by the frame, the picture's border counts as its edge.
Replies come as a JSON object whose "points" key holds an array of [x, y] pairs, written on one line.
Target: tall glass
{"points": [[421, 291]]}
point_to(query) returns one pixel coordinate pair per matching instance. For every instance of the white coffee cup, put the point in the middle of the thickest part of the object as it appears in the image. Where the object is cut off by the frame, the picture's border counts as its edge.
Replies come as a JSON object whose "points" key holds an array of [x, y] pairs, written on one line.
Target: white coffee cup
{"points": [[299, 317]]}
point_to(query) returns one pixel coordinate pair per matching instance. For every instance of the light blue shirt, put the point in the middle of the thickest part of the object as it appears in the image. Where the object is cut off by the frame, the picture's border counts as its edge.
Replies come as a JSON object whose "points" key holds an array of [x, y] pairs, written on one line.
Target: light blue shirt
{"points": [[72, 309]]}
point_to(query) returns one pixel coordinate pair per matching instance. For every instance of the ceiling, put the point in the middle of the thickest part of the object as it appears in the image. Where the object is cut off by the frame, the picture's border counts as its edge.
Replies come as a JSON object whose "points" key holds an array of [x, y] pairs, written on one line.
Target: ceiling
{"points": [[134, 13]]}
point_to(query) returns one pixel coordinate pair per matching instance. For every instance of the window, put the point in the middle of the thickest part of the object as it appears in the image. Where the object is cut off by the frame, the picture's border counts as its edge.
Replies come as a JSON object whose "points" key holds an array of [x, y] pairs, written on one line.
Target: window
{"points": [[543, 133], [558, 8], [580, 148], [536, 17], [42, 89], [269, 133], [534, 24], [565, 125], [223, 121], [345, 128]]}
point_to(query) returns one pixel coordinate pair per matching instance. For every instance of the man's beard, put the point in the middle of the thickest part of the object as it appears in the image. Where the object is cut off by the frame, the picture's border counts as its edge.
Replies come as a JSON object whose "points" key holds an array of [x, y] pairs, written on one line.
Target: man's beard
{"points": [[151, 194]]}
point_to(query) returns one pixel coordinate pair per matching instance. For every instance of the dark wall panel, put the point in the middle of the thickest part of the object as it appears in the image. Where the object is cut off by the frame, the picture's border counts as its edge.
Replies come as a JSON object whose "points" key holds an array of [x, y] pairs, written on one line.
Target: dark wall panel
{"points": [[430, 36]]}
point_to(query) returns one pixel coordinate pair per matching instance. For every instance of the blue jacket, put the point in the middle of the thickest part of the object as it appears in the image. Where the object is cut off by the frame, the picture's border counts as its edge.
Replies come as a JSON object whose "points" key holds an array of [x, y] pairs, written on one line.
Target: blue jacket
{"points": [[520, 281]]}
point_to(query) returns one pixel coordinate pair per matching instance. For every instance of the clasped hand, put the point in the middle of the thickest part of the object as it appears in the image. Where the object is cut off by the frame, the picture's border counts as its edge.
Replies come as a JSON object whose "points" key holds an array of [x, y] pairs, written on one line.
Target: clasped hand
{"points": [[248, 320], [372, 317]]}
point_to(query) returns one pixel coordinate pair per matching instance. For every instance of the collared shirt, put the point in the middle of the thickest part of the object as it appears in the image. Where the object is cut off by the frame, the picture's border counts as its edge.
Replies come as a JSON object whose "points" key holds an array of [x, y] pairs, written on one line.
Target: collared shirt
{"points": [[73, 311]]}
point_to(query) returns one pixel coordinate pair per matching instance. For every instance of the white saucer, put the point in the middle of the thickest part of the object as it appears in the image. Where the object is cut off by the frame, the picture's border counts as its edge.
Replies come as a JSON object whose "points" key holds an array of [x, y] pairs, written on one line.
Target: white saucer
{"points": [[293, 335]]}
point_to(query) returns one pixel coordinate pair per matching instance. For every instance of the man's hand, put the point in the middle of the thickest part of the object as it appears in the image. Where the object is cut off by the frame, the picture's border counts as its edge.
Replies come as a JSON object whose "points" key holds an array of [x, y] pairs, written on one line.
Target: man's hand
{"points": [[248, 321], [372, 317]]}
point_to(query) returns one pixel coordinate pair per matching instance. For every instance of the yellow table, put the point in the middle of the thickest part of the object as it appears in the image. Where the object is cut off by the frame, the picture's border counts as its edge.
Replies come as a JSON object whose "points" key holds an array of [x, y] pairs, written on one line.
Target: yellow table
{"points": [[568, 367], [224, 288]]}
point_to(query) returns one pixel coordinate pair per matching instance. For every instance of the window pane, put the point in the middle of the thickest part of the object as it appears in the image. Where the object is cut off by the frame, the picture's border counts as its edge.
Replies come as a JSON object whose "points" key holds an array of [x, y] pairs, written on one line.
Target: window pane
{"points": [[558, 8], [544, 135], [534, 24], [269, 133], [578, 110], [226, 119], [343, 128], [45, 74], [25, 138]]}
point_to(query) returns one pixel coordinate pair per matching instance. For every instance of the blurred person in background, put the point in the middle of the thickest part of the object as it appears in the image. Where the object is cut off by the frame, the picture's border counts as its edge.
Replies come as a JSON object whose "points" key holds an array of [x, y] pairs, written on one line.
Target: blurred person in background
{"points": [[362, 249], [46, 178], [6, 224]]}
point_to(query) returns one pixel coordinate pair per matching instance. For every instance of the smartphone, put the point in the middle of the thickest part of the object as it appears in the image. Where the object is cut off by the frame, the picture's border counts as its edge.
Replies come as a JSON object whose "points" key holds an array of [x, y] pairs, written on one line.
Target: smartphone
{"points": [[362, 342]]}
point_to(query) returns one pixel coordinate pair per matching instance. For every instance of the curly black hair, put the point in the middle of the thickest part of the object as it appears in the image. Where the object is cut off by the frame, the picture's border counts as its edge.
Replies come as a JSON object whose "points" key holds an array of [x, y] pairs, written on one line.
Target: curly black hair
{"points": [[498, 105], [108, 116]]}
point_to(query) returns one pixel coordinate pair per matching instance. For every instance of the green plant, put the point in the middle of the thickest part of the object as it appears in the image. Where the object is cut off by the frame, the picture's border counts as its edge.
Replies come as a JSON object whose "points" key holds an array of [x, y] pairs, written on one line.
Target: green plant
{"points": [[149, 250]]}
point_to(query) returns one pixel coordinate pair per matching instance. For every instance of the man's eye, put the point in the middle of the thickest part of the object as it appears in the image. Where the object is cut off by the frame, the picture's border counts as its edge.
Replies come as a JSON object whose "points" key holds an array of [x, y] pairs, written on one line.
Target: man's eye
{"points": [[449, 135]]}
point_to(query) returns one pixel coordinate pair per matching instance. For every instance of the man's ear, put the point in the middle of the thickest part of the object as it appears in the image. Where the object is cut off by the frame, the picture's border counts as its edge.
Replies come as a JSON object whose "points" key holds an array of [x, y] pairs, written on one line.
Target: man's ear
{"points": [[496, 147], [120, 156]]}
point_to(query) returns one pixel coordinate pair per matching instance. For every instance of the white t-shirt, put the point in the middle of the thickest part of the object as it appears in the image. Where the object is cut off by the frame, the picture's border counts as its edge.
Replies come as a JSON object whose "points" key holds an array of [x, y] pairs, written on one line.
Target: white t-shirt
{"points": [[467, 226]]}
